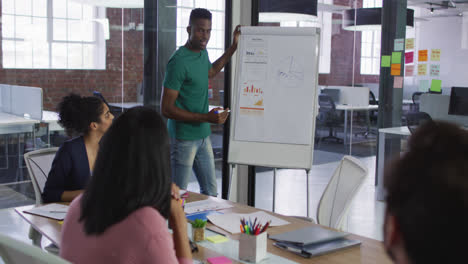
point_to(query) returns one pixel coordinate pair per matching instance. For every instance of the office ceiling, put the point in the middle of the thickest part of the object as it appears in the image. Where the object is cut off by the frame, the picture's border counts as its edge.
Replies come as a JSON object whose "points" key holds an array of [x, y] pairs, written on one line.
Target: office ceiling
{"points": [[455, 8]]}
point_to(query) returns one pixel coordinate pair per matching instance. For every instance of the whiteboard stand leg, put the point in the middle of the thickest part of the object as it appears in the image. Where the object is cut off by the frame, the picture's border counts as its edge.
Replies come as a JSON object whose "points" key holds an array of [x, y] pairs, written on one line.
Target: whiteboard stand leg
{"points": [[274, 189], [230, 180], [307, 192]]}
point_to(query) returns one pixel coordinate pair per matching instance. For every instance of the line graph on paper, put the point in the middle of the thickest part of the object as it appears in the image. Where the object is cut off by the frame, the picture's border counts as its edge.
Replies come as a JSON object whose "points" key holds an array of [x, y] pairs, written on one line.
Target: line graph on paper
{"points": [[290, 72]]}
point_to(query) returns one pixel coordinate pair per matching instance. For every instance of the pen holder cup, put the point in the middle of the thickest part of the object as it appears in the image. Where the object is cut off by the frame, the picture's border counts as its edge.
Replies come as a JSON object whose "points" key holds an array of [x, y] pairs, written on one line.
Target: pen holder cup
{"points": [[198, 234], [252, 248]]}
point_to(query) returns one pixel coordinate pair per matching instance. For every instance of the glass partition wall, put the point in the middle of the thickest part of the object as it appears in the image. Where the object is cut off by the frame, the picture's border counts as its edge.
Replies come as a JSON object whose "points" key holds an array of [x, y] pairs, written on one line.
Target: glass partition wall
{"points": [[83, 46], [63, 47]]}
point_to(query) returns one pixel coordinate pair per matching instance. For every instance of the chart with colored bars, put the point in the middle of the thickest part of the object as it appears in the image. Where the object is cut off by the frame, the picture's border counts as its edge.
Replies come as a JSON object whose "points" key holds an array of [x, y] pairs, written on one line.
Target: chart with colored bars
{"points": [[251, 100]]}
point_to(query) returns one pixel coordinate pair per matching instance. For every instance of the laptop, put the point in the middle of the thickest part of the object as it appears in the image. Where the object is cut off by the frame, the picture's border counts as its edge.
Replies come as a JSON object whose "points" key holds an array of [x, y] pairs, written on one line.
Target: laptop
{"points": [[318, 248], [308, 236]]}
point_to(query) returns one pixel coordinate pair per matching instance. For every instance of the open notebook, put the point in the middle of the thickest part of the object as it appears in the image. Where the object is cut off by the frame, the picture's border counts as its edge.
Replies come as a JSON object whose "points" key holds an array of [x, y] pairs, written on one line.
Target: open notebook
{"points": [[54, 211]]}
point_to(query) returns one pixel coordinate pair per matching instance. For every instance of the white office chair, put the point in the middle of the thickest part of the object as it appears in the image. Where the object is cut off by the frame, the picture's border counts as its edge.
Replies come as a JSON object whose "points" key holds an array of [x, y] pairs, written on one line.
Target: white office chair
{"points": [[14, 251], [39, 163], [340, 191]]}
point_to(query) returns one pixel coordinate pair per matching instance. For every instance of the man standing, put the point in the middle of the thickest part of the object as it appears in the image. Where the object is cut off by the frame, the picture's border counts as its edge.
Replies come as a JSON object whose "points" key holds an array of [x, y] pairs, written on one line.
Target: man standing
{"points": [[185, 104]]}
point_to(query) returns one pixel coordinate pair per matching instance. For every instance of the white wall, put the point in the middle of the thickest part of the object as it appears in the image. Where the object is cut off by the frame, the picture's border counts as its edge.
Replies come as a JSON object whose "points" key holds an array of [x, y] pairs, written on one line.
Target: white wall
{"points": [[445, 33]]}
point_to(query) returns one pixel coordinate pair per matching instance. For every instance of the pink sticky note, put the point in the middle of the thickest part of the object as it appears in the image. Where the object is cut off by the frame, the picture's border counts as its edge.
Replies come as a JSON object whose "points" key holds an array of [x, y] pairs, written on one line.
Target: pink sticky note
{"points": [[219, 260], [398, 82], [409, 57]]}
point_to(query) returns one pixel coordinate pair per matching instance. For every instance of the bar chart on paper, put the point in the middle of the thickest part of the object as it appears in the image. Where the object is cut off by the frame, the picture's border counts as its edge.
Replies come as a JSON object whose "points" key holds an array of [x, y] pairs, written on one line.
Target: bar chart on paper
{"points": [[251, 101]]}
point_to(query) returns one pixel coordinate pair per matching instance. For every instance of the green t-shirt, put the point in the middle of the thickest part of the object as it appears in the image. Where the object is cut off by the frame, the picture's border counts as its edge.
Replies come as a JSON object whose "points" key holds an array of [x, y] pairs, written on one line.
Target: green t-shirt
{"points": [[187, 72]]}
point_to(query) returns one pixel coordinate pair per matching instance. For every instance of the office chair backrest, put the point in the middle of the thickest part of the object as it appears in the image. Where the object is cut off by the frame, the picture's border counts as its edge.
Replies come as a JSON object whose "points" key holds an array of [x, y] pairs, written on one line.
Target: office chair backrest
{"points": [[333, 93], [326, 102], [17, 252], [416, 97], [372, 100], [340, 191], [39, 163], [415, 119]]}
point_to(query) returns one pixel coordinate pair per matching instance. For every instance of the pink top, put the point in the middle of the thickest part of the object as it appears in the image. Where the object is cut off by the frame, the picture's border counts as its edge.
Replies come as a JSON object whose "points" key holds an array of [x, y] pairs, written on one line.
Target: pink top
{"points": [[142, 237]]}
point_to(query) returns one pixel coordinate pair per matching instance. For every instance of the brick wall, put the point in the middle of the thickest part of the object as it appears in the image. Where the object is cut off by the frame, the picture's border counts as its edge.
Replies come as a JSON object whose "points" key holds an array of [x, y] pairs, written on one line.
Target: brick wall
{"points": [[341, 66], [58, 83]]}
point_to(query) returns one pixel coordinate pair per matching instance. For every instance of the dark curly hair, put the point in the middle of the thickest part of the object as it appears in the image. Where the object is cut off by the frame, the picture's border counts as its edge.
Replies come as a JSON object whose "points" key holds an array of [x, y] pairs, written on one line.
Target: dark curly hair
{"points": [[427, 192], [76, 113], [198, 13]]}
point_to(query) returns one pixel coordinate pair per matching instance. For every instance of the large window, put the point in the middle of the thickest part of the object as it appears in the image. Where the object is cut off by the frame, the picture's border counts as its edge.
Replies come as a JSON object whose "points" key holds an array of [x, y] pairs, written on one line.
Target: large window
{"points": [[52, 34], [216, 44], [370, 45]]}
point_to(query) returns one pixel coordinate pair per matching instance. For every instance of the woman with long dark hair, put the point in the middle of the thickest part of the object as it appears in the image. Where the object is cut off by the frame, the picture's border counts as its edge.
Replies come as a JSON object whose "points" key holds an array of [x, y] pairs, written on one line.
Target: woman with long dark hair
{"points": [[121, 216], [89, 118]]}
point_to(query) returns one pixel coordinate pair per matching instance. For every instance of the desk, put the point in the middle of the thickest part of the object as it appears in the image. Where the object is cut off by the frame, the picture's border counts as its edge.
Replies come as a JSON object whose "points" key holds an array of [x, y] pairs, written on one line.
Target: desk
{"points": [[401, 131], [351, 108], [13, 124], [370, 251]]}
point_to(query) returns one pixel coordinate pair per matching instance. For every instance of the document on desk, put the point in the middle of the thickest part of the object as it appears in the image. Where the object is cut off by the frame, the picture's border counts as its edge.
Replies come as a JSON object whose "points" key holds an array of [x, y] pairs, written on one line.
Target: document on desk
{"points": [[204, 205], [231, 222], [54, 211]]}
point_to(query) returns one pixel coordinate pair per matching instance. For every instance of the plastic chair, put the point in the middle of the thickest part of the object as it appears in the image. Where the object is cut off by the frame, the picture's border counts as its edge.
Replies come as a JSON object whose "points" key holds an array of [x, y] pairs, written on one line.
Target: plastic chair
{"points": [[340, 192], [14, 251], [39, 163]]}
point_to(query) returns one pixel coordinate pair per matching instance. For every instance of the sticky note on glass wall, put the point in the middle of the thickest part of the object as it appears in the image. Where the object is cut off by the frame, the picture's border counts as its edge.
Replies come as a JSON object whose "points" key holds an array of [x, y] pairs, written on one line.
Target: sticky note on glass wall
{"points": [[409, 70], [435, 55], [396, 57], [422, 69], [398, 82], [385, 61], [396, 69], [422, 55], [409, 43], [435, 70], [436, 85], [423, 85], [409, 57], [399, 44]]}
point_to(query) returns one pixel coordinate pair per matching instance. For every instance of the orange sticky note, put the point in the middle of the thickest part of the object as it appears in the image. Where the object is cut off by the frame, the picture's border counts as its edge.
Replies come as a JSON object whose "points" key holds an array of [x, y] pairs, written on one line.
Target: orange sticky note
{"points": [[422, 55], [396, 69]]}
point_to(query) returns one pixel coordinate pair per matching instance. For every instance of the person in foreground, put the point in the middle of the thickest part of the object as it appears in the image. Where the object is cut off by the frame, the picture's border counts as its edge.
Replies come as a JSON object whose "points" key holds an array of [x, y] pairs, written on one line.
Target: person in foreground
{"points": [[121, 216], [427, 197], [89, 118]]}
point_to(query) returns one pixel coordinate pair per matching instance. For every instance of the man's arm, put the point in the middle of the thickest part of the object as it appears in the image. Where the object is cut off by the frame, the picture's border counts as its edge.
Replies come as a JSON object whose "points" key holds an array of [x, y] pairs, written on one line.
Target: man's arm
{"points": [[219, 63], [170, 110]]}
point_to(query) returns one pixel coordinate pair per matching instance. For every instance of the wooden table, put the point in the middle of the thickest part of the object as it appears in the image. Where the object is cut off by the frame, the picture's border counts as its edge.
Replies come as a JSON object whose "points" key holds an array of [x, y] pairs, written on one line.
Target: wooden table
{"points": [[370, 251]]}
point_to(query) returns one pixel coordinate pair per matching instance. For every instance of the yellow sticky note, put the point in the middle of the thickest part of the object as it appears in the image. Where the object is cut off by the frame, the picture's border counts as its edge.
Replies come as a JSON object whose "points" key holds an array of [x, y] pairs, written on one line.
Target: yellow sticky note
{"points": [[385, 61], [409, 43], [217, 239], [435, 55], [395, 70], [60, 222], [422, 69], [396, 57]]}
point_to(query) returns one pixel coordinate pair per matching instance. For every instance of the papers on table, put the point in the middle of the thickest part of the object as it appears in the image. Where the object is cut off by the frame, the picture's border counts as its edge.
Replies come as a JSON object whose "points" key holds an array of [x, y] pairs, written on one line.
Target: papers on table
{"points": [[204, 205], [54, 211], [182, 192], [231, 222]]}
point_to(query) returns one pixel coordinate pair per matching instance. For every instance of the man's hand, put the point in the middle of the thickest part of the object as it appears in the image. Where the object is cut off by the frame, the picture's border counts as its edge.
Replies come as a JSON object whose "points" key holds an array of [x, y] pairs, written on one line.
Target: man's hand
{"points": [[236, 35], [218, 118]]}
